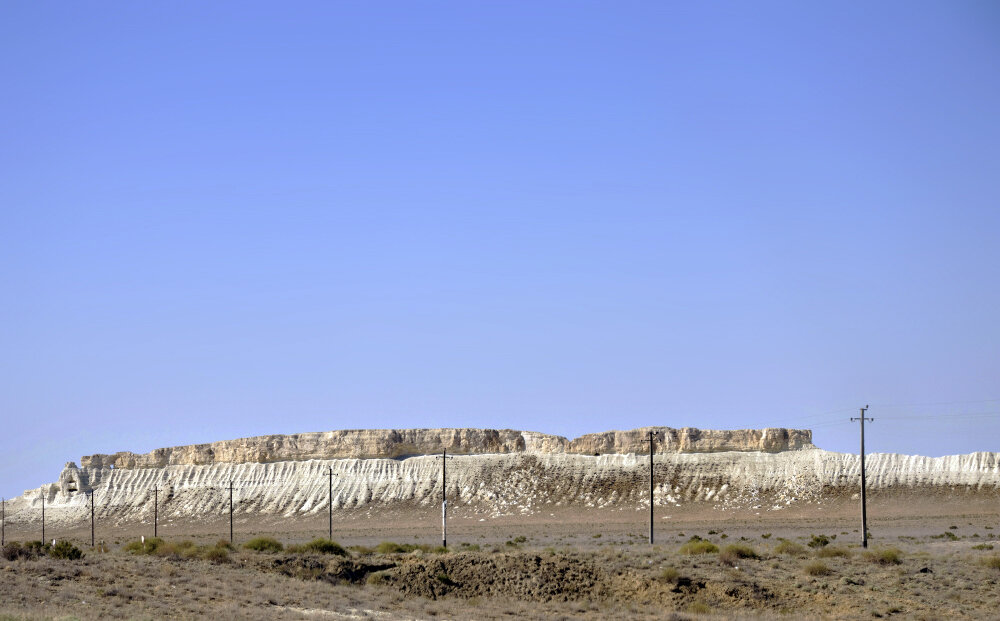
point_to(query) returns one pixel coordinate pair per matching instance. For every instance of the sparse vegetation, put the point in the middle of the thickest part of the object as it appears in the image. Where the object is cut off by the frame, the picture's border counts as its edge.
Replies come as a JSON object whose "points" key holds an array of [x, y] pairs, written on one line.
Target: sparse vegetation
{"points": [[818, 568], [264, 544], [789, 548], [389, 547], [819, 541], [318, 546], [983, 546], [991, 562], [833, 551], [737, 551], [697, 545], [884, 556], [155, 546], [66, 550]]}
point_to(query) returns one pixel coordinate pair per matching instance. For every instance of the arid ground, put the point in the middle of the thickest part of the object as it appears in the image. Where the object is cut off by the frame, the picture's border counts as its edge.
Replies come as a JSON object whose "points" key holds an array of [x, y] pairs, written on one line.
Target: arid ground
{"points": [[927, 559]]}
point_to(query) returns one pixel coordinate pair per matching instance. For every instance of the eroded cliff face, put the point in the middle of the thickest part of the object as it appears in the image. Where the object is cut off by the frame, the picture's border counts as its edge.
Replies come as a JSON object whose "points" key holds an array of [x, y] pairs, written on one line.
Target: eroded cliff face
{"points": [[494, 485], [394, 443]]}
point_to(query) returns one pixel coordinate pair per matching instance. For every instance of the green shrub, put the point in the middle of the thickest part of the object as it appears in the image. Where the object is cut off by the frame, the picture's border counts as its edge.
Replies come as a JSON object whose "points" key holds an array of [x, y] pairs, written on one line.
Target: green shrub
{"points": [[766, 536], [389, 547], [818, 568], [13, 551], [149, 546], [950, 536], [215, 554], [983, 546], [264, 544], [885, 556], [832, 551], [469, 547], [38, 548], [325, 546], [66, 550], [224, 544], [789, 547], [737, 551], [697, 545], [819, 541]]}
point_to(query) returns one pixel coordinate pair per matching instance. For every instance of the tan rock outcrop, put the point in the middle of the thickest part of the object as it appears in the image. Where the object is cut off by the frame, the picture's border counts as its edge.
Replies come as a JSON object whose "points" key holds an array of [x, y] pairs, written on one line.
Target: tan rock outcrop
{"points": [[393, 443]]}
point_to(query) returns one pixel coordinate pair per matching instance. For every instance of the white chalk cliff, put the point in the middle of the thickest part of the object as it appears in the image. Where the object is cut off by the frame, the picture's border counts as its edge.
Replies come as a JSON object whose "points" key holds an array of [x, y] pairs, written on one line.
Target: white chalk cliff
{"points": [[494, 472]]}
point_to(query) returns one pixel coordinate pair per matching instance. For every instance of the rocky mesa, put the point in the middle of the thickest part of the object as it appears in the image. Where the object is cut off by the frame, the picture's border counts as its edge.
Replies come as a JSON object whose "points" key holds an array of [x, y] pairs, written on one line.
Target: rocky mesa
{"points": [[395, 443]]}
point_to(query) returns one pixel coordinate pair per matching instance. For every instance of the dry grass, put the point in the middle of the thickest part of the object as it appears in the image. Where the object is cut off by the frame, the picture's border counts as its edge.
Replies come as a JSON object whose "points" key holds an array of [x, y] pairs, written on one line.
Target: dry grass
{"points": [[884, 556], [789, 548], [818, 568], [736, 552], [264, 544], [833, 552]]}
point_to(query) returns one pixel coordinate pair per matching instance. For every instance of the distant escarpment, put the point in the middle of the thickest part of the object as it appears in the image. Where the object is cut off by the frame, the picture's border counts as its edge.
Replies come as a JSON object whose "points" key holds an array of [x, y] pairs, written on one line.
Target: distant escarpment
{"points": [[393, 443], [494, 473]]}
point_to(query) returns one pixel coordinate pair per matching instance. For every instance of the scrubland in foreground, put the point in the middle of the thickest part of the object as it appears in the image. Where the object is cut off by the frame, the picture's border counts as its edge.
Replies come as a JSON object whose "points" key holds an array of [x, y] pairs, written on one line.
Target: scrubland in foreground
{"points": [[703, 571]]}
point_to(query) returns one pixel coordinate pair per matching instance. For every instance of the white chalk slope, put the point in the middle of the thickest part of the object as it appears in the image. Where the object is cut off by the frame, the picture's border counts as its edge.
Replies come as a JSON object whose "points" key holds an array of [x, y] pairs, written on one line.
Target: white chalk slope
{"points": [[497, 484]]}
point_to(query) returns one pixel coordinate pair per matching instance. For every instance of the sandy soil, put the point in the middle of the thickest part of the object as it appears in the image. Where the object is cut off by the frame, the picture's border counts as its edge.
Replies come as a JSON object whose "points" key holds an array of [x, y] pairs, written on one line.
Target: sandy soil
{"points": [[582, 564]]}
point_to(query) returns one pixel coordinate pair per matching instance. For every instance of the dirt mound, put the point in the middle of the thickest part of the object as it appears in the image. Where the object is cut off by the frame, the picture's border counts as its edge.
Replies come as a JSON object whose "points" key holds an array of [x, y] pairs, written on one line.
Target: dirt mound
{"points": [[529, 577]]}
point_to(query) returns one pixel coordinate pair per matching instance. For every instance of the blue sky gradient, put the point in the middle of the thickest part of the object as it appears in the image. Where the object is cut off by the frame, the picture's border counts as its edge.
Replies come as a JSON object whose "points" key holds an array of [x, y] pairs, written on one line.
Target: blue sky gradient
{"points": [[230, 219]]}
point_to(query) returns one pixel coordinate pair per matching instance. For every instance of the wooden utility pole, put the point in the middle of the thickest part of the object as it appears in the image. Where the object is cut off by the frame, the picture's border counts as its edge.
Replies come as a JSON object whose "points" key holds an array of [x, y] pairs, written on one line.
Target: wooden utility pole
{"points": [[91, 518], [651, 436], [864, 504], [156, 508], [43, 517], [444, 497], [230, 511], [330, 501], [3, 524]]}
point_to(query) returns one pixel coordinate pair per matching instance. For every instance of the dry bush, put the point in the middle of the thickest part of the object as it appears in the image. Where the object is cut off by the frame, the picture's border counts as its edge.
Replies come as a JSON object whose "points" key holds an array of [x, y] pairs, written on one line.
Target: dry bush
{"points": [[992, 562], [737, 551], [833, 551], [818, 568], [377, 578], [697, 545], [13, 551], [216, 554], [669, 575], [885, 556], [789, 547]]}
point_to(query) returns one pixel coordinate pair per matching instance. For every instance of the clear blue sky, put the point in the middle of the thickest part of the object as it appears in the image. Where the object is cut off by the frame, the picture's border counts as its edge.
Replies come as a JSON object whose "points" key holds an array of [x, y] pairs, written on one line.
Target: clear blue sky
{"points": [[230, 219]]}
